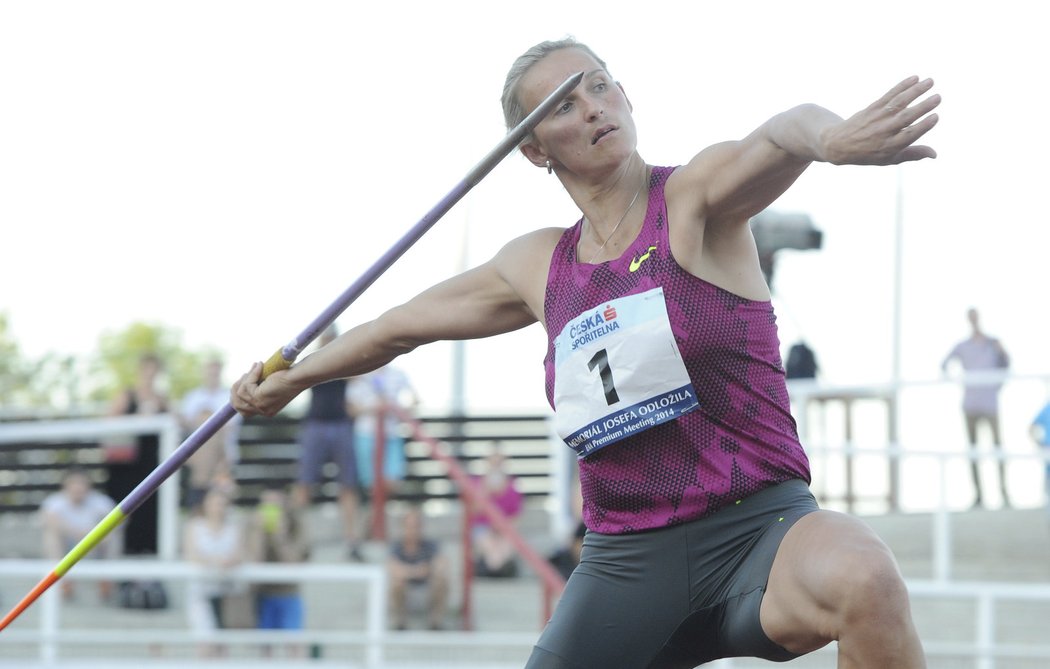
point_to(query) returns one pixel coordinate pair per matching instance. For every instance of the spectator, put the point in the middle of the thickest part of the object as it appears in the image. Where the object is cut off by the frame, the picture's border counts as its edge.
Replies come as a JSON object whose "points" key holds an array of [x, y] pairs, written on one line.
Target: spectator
{"points": [[327, 435], [494, 552], [801, 362], [981, 353], [415, 565], [128, 464], [277, 533], [213, 539], [373, 395], [217, 456], [69, 514], [1040, 430]]}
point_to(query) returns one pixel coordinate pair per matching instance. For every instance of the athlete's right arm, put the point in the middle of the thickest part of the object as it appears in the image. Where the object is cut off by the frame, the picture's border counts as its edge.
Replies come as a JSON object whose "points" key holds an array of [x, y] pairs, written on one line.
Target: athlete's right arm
{"points": [[499, 296]]}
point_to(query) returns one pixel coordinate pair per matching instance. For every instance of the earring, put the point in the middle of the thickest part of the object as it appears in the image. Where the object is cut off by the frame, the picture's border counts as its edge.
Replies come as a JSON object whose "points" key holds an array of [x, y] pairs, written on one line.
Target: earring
{"points": [[549, 170]]}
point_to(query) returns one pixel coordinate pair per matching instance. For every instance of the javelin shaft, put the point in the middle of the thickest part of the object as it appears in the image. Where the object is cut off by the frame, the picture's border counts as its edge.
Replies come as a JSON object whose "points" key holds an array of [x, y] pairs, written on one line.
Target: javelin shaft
{"points": [[288, 354], [284, 357]]}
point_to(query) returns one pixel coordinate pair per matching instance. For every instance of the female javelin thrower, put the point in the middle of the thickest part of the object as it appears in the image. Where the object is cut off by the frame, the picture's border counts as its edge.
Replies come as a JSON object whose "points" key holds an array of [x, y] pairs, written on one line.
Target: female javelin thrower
{"points": [[664, 371]]}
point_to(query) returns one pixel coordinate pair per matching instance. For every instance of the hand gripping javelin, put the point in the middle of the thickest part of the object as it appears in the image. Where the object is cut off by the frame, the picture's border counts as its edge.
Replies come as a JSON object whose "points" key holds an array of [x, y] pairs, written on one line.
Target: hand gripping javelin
{"points": [[284, 357]]}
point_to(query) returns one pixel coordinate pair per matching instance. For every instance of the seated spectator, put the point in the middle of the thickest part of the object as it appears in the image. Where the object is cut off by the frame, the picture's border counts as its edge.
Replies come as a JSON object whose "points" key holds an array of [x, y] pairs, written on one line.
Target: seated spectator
{"points": [[416, 565], [495, 554], [69, 514], [277, 533], [213, 539]]}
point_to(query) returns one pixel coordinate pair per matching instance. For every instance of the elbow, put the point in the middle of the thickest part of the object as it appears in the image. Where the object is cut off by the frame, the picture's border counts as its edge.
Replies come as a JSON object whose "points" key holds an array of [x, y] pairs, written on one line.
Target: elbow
{"points": [[396, 335]]}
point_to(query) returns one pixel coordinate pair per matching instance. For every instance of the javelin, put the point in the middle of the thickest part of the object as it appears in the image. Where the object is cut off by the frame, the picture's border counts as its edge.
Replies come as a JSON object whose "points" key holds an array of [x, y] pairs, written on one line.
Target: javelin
{"points": [[284, 357]]}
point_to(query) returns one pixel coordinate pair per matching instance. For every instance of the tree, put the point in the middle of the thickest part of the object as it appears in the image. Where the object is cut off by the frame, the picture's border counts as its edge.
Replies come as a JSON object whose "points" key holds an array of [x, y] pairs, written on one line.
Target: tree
{"points": [[14, 374], [119, 353]]}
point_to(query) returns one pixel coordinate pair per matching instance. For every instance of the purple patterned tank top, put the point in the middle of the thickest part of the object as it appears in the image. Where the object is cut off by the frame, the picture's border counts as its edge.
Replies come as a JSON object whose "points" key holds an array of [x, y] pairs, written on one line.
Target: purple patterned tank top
{"points": [[741, 439]]}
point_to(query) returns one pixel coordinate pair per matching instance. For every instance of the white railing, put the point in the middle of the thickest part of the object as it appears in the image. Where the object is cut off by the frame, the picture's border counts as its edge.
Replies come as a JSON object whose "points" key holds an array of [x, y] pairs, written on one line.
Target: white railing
{"points": [[901, 446], [50, 635], [165, 426]]}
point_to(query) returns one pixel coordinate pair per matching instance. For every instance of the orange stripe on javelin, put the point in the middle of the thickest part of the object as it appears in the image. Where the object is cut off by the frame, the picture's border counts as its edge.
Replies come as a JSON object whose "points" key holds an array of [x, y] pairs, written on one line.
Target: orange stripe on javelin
{"points": [[43, 585]]}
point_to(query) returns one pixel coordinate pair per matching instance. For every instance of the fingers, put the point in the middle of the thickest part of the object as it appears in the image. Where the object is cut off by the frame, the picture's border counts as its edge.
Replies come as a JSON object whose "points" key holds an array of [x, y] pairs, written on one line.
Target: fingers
{"points": [[907, 95], [908, 120], [242, 395], [887, 99]]}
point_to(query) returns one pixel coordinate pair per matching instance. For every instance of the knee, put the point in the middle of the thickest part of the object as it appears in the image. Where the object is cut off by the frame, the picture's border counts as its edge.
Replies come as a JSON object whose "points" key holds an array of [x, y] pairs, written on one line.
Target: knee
{"points": [[871, 588]]}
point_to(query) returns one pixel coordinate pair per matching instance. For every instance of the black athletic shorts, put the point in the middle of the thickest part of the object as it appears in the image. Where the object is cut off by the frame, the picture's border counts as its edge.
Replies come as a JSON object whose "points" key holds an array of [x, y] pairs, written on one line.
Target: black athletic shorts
{"points": [[676, 597]]}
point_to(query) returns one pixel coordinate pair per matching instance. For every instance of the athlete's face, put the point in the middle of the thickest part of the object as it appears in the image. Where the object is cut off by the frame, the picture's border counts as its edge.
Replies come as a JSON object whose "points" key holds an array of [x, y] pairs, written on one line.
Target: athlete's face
{"points": [[591, 130]]}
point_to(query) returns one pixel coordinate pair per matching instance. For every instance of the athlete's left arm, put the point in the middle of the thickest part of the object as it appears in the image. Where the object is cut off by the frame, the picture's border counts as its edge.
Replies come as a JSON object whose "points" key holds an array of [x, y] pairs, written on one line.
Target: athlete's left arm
{"points": [[733, 181]]}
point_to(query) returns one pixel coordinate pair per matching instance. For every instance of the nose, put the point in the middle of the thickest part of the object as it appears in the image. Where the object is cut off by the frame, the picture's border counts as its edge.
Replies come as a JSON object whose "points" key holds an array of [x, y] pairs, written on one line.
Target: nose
{"points": [[594, 110]]}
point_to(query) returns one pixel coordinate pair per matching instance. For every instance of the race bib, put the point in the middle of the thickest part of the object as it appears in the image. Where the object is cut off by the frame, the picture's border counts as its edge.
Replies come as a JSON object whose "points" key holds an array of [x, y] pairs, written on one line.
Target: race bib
{"points": [[618, 371]]}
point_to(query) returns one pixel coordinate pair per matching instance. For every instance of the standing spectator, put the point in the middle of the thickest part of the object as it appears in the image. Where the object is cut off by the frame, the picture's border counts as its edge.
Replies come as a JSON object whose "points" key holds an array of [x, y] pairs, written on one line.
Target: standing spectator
{"points": [[217, 456], [69, 514], [494, 552], [981, 353], [376, 394], [415, 563], [277, 533], [129, 464], [327, 435], [214, 540], [1040, 430]]}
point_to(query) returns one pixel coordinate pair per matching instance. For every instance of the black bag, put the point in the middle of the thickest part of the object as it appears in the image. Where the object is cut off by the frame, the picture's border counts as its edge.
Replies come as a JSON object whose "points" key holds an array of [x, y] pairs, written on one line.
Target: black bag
{"points": [[142, 595]]}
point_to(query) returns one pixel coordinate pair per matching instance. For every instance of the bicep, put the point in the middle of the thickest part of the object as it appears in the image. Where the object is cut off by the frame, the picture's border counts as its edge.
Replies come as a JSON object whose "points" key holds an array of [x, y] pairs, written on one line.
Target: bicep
{"points": [[733, 181]]}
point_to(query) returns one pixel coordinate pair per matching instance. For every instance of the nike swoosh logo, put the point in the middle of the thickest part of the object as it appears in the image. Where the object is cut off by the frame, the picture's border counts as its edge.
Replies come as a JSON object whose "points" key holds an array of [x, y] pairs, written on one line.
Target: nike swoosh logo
{"points": [[637, 261]]}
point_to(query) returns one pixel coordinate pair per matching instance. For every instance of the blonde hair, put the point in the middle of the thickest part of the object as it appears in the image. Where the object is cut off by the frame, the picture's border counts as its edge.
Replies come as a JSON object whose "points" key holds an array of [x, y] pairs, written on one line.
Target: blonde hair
{"points": [[513, 112]]}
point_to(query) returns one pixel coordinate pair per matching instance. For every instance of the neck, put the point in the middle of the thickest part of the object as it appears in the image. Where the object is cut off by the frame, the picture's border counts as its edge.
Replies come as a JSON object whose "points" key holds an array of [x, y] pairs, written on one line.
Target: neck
{"points": [[610, 210]]}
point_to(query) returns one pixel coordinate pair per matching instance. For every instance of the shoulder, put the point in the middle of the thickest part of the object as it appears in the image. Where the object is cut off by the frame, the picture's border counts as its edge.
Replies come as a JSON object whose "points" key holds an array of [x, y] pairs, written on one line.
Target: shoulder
{"points": [[527, 246], [53, 503], [100, 500]]}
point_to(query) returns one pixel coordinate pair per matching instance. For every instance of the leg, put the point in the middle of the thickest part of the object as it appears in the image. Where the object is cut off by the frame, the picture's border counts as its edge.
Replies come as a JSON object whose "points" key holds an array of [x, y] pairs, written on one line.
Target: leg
{"points": [[311, 460], [438, 595], [993, 424], [833, 579], [342, 450], [398, 598], [493, 549], [971, 436], [348, 509], [620, 605], [301, 493]]}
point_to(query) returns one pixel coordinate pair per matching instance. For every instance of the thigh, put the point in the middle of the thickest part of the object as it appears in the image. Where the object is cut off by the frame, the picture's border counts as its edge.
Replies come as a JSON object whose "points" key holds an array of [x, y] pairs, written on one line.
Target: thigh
{"points": [[620, 605], [823, 558], [311, 453], [993, 425], [971, 427], [342, 446]]}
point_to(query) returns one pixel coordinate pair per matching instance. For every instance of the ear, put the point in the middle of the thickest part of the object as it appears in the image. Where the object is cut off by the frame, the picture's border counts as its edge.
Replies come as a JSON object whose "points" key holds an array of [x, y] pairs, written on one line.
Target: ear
{"points": [[534, 154], [629, 105]]}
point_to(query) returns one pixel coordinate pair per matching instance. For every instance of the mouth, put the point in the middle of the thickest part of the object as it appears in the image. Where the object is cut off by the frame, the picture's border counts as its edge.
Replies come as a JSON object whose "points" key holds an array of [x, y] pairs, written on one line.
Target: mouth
{"points": [[602, 132]]}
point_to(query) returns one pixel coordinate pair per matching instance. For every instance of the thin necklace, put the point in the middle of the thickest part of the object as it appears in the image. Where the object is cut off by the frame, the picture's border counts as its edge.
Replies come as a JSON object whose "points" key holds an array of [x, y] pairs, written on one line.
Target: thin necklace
{"points": [[617, 226]]}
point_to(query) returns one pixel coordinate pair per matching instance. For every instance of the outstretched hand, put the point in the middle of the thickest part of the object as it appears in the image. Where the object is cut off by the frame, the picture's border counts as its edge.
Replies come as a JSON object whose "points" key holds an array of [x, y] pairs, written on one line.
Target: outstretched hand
{"points": [[886, 131], [254, 396]]}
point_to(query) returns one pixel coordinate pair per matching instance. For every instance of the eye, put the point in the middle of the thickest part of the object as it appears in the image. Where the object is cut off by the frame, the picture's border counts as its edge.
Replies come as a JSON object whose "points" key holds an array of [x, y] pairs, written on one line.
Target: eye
{"points": [[565, 106], [600, 86]]}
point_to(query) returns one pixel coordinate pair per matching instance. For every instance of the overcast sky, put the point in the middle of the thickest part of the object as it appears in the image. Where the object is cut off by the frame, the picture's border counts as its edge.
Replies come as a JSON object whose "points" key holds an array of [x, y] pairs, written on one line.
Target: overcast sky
{"points": [[228, 168]]}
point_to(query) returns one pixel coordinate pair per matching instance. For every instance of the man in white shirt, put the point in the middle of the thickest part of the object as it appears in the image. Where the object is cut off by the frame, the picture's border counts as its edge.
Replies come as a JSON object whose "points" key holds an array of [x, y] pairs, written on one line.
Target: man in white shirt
{"points": [[69, 514]]}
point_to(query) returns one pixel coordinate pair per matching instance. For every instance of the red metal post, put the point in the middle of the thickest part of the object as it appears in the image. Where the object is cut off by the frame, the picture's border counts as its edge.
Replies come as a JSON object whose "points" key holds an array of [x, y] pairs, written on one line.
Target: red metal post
{"points": [[468, 566]]}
